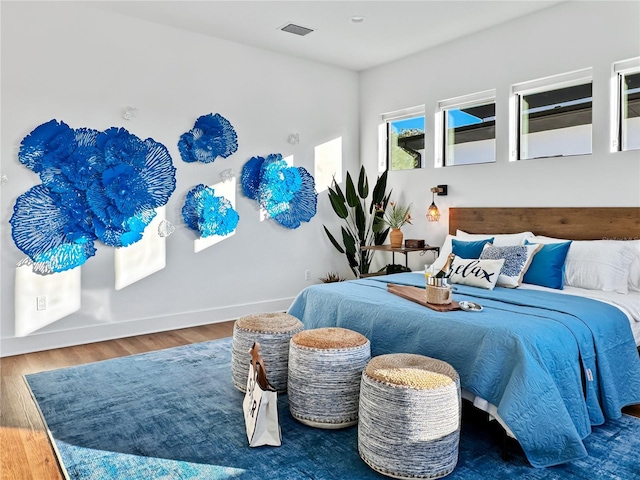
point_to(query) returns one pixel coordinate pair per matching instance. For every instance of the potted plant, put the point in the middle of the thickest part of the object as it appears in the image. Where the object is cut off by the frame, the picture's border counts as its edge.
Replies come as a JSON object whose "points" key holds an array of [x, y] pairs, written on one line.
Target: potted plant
{"points": [[359, 217], [395, 218]]}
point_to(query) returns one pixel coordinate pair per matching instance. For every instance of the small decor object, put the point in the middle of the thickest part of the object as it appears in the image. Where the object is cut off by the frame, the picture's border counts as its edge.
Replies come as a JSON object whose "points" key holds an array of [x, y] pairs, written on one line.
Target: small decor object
{"points": [[395, 238], [165, 228], [395, 219], [409, 416], [95, 186], [211, 137], [438, 294], [325, 370], [209, 214], [470, 306], [227, 175], [287, 194], [413, 243], [332, 277], [260, 405], [273, 331]]}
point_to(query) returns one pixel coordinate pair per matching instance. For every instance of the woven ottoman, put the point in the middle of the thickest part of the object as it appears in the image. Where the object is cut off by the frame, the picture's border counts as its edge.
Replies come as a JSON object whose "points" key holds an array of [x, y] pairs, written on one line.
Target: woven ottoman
{"points": [[325, 370], [409, 416], [273, 331]]}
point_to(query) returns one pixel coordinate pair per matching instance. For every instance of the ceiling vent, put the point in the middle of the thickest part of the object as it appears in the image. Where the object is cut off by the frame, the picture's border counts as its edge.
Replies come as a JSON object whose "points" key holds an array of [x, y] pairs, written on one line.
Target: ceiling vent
{"points": [[296, 29]]}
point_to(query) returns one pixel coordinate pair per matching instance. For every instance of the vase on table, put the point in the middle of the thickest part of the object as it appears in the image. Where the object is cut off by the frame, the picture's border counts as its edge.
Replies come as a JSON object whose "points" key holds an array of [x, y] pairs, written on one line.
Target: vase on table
{"points": [[395, 237]]}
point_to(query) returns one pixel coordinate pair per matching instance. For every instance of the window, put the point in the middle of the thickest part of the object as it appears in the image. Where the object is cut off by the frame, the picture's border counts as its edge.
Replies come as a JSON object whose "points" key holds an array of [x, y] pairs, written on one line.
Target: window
{"points": [[466, 130], [626, 122], [404, 132], [552, 117]]}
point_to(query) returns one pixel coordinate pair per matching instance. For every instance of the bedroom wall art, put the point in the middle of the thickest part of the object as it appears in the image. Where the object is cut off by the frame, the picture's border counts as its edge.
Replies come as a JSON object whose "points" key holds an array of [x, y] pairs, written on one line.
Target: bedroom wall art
{"points": [[210, 211], [95, 186], [287, 194], [211, 137]]}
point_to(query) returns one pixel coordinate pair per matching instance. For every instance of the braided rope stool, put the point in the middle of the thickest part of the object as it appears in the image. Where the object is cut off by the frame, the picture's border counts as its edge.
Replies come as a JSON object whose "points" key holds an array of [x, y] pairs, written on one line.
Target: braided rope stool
{"points": [[325, 370], [409, 416], [273, 331]]}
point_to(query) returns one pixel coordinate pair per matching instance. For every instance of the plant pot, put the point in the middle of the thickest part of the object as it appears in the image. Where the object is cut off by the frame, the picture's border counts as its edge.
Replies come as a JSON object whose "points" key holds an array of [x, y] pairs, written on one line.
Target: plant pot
{"points": [[395, 237]]}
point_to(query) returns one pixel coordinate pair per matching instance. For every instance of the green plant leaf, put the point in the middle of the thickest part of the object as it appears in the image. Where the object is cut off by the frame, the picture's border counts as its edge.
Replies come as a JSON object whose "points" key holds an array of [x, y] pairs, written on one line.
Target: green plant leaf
{"points": [[380, 188], [380, 237], [333, 240], [361, 222], [363, 184], [349, 242], [337, 202], [352, 197], [378, 224]]}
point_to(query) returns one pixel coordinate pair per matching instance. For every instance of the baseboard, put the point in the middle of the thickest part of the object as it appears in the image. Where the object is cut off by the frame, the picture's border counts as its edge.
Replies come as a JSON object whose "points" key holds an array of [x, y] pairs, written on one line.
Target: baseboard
{"points": [[37, 342]]}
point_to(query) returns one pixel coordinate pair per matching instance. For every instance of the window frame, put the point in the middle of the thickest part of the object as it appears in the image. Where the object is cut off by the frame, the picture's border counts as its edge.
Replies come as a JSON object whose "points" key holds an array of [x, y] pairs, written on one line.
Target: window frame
{"points": [[620, 70], [384, 137], [470, 100], [553, 82]]}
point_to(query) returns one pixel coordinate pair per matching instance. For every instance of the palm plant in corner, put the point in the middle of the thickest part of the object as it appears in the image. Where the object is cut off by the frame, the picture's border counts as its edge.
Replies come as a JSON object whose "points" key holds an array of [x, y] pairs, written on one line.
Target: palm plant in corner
{"points": [[359, 218]]}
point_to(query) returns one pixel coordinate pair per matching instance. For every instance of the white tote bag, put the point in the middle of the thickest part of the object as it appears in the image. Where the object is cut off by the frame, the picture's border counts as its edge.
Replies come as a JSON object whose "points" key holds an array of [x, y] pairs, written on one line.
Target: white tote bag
{"points": [[260, 405]]}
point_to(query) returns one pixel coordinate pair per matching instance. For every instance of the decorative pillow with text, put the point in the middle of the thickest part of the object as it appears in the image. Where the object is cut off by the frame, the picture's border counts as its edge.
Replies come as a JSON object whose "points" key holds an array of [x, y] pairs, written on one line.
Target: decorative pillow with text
{"points": [[475, 272]]}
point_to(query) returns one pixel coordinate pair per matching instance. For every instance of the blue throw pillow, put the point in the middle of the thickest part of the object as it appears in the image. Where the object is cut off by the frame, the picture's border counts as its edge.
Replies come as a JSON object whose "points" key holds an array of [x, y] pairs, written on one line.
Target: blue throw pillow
{"points": [[469, 249], [547, 266]]}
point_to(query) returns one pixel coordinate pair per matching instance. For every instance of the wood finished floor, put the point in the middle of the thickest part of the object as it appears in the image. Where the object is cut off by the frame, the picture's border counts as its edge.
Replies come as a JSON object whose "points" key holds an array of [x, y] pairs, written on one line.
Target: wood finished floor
{"points": [[25, 452]]}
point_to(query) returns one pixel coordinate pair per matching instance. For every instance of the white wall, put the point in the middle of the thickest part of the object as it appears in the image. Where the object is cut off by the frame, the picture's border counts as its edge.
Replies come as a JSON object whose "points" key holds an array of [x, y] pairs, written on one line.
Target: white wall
{"points": [[563, 38], [83, 66]]}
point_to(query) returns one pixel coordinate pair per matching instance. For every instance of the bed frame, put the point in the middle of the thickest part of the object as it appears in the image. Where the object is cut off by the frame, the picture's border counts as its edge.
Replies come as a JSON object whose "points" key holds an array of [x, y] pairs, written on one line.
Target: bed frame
{"points": [[585, 223]]}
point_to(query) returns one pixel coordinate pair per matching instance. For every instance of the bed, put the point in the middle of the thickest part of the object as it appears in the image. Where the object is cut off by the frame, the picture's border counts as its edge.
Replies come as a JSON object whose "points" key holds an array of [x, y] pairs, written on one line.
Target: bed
{"points": [[547, 363]]}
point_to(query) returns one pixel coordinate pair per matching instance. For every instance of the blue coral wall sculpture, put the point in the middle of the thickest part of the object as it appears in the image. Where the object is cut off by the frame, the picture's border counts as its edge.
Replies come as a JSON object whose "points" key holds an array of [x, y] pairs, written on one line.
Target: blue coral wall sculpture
{"points": [[95, 186], [211, 137], [287, 194], [209, 214]]}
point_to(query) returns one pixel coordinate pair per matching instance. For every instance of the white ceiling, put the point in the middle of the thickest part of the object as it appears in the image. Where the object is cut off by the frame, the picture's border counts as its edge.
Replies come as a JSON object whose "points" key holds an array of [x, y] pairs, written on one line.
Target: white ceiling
{"points": [[391, 29]]}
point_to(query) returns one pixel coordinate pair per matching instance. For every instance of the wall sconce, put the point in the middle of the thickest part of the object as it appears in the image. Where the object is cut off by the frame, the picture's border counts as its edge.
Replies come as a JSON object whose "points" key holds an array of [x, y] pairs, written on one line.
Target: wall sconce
{"points": [[433, 214]]}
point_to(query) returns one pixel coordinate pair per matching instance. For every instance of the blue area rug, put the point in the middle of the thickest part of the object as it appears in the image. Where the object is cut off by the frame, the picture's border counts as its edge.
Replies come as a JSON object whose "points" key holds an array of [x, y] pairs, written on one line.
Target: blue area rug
{"points": [[174, 414]]}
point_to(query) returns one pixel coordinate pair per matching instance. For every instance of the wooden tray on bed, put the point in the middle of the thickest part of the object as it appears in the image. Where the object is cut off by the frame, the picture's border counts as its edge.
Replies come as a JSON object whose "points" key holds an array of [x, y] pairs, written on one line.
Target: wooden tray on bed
{"points": [[419, 295]]}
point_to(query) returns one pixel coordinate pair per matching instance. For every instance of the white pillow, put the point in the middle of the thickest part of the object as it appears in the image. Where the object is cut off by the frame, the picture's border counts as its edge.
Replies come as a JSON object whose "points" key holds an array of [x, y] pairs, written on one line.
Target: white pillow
{"points": [[600, 265], [634, 274], [634, 269], [547, 240], [499, 240], [517, 259], [445, 250], [475, 272]]}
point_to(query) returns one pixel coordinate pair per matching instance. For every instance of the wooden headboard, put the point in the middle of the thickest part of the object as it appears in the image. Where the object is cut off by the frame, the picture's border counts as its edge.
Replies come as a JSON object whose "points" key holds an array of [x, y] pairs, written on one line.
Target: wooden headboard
{"points": [[614, 223]]}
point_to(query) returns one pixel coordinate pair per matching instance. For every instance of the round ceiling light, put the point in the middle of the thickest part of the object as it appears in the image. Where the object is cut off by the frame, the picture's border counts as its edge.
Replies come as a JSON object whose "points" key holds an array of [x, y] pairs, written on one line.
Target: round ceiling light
{"points": [[356, 19]]}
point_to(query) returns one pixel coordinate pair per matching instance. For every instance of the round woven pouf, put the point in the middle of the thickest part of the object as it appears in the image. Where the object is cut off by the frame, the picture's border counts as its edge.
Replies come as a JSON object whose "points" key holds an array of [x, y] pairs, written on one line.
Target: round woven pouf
{"points": [[409, 416], [325, 369], [273, 331]]}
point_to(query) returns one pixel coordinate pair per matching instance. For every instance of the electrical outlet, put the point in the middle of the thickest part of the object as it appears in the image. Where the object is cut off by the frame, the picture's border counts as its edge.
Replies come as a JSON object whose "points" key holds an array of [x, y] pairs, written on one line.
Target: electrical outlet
{"points": [[41, 303], [307, 274]]}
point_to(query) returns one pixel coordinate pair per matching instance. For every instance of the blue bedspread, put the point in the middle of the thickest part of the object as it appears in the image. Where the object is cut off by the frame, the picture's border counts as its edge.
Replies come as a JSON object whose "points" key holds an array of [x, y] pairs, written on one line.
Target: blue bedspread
{"points": [[553, 364]]}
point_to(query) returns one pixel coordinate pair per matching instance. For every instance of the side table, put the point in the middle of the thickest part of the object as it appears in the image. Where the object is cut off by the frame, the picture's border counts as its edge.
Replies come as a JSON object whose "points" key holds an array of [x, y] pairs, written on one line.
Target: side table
{"points": [[403, 250]]}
